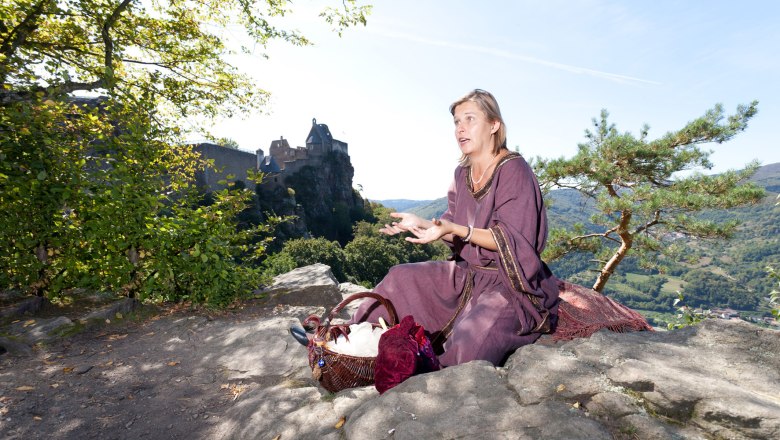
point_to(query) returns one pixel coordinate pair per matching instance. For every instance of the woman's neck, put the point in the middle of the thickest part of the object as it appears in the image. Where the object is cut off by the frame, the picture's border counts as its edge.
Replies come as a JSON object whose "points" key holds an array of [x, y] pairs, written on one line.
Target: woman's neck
{"points": [[481, 166]]}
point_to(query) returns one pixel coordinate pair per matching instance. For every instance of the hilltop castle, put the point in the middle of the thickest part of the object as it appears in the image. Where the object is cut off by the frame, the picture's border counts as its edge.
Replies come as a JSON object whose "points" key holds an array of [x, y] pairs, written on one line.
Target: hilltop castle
{"points": [[282, 160]]}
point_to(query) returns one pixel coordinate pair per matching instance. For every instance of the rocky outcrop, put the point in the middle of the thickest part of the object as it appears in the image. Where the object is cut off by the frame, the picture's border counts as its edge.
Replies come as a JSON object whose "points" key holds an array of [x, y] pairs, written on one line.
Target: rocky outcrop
{"points": [[324, 190], [719, 379], [239, 375]]}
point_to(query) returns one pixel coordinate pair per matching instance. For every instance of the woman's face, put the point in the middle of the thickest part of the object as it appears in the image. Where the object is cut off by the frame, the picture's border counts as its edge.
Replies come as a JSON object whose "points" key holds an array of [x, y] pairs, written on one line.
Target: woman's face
{"points": [[473, 131]]}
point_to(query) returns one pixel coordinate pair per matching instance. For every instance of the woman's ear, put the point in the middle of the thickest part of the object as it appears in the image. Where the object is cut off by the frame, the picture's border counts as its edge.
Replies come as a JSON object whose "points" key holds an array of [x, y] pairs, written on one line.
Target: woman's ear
{"points": [[496, 126]]}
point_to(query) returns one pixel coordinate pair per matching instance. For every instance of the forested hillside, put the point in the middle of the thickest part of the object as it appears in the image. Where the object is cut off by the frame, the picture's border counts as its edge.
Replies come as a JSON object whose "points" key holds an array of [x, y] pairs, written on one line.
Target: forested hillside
{"points": [[712, 273]]}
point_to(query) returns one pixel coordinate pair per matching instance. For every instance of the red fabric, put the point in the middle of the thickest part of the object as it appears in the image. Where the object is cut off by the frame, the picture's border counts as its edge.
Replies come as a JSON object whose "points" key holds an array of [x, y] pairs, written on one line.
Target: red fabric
{"points": [[584, 311], [404, 350]]}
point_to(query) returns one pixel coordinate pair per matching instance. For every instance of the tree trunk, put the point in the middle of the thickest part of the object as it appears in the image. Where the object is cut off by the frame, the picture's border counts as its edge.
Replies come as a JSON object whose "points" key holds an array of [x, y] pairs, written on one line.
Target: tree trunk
{"points": [[626, 241]]}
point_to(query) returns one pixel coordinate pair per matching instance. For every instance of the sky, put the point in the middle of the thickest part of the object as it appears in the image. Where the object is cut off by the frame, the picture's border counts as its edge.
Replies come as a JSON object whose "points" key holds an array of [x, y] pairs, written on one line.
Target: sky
{"points": [[385, 88]]}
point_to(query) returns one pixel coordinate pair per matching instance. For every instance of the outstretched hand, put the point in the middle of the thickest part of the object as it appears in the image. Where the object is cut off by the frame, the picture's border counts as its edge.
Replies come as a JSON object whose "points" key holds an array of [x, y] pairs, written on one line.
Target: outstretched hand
{"points": [[407, 222], [437, 229]]}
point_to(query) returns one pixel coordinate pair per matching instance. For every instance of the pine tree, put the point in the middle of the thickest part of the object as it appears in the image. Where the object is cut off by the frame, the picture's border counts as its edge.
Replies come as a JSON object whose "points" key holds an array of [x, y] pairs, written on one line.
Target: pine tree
{"points": [[646, 191]]}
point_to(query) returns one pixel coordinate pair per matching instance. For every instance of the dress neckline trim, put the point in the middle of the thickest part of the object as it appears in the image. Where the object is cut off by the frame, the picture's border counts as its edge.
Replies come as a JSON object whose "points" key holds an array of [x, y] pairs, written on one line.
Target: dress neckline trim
{"points": [[486, 188]]}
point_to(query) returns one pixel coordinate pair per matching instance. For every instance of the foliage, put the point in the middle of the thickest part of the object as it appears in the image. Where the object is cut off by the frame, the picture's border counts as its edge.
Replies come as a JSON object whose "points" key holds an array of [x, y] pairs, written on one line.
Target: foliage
{"points": [[104, 186], [369, 259], [161, 50], [643, 201], [364, 260], [114, 211], [301, 252], [685, 316], [227, 143], [774, 295]]}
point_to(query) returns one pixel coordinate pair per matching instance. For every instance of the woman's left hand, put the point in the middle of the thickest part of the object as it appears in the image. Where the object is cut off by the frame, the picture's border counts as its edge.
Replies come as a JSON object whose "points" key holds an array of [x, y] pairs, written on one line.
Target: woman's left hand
{"points": [[439, 229]]}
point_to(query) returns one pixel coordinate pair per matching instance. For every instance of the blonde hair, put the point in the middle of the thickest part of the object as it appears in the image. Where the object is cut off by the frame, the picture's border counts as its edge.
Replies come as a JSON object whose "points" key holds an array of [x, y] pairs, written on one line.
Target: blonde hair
{"points": [[488, 104]]}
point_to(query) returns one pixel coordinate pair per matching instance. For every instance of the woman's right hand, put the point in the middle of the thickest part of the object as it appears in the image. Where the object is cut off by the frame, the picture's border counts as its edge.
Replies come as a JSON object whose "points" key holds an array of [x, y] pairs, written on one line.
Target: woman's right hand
{"points": [[406, 223]]}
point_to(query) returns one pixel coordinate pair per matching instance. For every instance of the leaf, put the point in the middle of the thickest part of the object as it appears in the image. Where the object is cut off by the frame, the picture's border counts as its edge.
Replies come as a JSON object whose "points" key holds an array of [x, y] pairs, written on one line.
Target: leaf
{"points": [[340, 423], [37, 418], [560, 388], [25, 388], [173, 363], [67, 370]]}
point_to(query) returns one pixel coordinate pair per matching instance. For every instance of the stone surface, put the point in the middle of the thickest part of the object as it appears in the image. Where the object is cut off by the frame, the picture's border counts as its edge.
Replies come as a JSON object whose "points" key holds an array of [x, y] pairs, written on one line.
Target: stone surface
{"points": [[304, 286], [241, 376], [721, 378], [40, 329], [123, 307]]}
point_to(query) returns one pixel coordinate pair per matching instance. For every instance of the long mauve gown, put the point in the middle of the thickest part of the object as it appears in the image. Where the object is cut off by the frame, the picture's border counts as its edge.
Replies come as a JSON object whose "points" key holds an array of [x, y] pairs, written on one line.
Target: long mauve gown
{"points": [[482, 304]]}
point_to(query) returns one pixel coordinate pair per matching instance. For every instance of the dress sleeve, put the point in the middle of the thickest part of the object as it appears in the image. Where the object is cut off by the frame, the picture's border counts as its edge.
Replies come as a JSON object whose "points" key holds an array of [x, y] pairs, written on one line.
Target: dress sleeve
{"points": [[519, 226]]}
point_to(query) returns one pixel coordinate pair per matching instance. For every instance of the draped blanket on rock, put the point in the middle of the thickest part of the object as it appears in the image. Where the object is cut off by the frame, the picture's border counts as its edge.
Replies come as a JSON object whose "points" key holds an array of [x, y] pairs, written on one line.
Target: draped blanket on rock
{"points": [[582, 312]]}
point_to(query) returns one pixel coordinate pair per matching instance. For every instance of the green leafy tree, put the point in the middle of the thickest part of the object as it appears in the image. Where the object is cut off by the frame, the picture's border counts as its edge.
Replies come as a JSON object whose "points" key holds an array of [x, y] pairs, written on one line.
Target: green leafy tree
{"points": [[368, 259], [643, 197], [101, 194], [305, 251]]}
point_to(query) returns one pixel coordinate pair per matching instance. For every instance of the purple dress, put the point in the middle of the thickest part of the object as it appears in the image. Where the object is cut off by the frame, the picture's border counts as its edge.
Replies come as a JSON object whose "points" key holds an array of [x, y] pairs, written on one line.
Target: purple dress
{"points": [[483, 304]]}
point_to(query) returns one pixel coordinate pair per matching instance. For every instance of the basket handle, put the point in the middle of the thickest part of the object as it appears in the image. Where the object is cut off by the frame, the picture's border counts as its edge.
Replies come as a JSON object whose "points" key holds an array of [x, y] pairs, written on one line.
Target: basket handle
{"points": [[392, 315], [326, 319]]}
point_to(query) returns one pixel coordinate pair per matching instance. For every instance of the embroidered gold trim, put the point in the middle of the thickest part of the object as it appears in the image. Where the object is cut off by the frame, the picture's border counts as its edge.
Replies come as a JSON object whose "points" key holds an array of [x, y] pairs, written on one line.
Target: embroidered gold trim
{"points": [[507, 258], [517, 280], [446, 331]]}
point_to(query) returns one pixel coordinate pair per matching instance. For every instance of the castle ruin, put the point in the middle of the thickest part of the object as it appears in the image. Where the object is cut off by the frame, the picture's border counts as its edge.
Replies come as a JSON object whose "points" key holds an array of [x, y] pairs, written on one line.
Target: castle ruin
{"points": [[282, 159]]}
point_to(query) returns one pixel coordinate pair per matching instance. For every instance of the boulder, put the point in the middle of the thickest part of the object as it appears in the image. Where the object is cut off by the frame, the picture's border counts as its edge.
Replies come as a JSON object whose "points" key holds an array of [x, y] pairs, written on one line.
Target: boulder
{"points": [[312, 285], [40, 329], [110, 311], [719, 379]]}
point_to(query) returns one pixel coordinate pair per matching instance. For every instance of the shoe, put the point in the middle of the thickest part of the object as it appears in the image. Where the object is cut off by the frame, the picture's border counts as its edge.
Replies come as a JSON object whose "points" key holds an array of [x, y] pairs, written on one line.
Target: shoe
{"points": [[300, 335]]}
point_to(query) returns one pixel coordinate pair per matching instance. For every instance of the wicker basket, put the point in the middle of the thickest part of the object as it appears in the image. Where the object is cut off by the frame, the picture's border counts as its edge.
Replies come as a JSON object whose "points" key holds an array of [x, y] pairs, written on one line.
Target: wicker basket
{"points": [[336, 371]]}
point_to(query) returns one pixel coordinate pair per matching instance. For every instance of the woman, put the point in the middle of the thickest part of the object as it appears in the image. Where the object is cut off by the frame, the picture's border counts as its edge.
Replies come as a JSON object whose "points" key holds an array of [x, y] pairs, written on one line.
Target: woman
{"points": [[496, 294]]}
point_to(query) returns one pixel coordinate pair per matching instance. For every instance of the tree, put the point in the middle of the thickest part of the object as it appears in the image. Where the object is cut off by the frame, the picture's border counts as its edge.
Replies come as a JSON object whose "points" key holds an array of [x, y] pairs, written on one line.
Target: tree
{"points": [[306, 251], [170, 52], [105, 186], [368, 259], [640, 187]]}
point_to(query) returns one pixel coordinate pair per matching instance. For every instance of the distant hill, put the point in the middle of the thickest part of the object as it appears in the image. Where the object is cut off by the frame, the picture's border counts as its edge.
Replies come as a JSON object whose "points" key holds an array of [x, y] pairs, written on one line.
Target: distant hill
{"points": [[401, 205], [768, 176]]}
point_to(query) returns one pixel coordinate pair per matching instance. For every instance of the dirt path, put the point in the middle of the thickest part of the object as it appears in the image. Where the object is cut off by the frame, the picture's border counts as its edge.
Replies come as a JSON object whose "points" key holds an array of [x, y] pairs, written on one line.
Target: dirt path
{"points": [[170, 374]]}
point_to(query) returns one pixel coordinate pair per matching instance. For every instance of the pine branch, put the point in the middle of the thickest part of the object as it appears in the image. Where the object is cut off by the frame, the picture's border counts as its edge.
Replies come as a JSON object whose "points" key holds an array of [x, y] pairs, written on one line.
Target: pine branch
{"points": [[656, 220]]}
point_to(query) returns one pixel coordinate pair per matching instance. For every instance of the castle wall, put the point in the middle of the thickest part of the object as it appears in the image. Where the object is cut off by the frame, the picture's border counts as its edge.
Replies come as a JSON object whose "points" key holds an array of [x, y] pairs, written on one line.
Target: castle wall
{"points": [[339, 146], [235, 162], [293, 166]]}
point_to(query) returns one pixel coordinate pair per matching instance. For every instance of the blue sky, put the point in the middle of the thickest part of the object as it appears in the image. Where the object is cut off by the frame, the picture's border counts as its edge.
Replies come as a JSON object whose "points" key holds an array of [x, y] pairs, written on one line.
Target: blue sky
{"points": [[385, 88]]}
